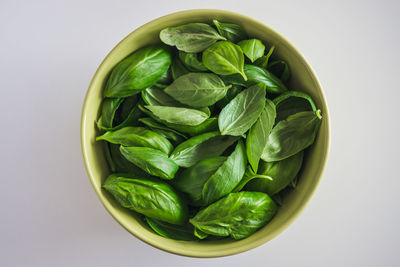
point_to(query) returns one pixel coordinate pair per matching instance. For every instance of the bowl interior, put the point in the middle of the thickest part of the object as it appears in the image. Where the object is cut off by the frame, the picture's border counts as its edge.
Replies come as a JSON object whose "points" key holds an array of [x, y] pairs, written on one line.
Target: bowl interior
{"points": [[303, 79]]}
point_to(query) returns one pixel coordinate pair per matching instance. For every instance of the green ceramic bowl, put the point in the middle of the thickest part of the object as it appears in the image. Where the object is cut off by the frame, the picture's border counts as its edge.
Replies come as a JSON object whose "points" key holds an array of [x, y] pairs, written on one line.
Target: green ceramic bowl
{"points": [[303, 79]]}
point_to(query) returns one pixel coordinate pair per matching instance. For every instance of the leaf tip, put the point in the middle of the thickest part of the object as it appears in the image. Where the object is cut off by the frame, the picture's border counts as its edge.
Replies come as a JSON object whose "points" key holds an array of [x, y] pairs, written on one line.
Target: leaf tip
{"points": [[318, 113]]}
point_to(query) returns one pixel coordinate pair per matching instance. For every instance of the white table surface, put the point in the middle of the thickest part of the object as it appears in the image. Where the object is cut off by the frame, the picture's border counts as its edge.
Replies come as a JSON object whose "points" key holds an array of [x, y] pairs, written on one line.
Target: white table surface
{"points": [[50, 215]]}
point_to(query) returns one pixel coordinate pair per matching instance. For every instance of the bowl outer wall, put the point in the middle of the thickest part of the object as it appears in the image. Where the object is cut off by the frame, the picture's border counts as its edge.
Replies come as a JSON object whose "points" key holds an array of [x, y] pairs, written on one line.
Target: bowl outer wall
{"points": [[303, 79]]}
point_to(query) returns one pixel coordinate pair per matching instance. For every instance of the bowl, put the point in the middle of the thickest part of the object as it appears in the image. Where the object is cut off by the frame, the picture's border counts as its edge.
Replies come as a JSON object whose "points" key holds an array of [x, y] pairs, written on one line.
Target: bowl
{"points": [[303, 79]]}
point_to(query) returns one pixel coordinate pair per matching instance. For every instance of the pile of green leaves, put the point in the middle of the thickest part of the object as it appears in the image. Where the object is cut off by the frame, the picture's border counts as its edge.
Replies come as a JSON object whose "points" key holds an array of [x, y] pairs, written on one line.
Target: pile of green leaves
{"points": [[202, 139]]}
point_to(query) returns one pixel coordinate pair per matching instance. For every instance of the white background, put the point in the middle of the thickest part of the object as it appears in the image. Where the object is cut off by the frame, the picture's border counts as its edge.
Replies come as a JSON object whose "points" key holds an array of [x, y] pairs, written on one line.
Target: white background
{"points": [[50, 215]]}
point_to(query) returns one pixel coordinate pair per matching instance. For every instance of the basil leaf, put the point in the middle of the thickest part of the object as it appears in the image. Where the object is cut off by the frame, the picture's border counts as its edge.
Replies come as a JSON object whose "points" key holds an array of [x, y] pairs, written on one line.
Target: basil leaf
{"points": [[192, 180], [175, 136], [199, 234], [178, 115], [197, 89], [192, 61], [108, 108], [165, 79], [157, 97], [118, 113], [242, 112], [258, 134], [191, 38], [263, 61], [248, 176], [150, 197], [237, 215], [282, 173], [292, 102], [224, 58], [292, 135], [177, 68], [200, 147], [257, 75], [141, 69], [151, 160], [108, 156], [137, 136], [252, 48], [122, 165], [227, 176], [232, 32], [232, 92], [153, 124], [172, 231], [209, 125], [280, 69]]}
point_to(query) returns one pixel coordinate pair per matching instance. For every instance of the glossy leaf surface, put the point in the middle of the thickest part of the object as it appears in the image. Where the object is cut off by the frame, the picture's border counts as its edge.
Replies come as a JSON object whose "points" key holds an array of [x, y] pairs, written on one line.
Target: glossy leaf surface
{"points": [[200, 147], [137, 136], [191, 37], [258, 134], [197, 89], [237, 215], [242, 112], [224, 58], [152, 161], [140, 70], [252, 48], [227, 176], [232, 32], [150, 197], [292, 135]]}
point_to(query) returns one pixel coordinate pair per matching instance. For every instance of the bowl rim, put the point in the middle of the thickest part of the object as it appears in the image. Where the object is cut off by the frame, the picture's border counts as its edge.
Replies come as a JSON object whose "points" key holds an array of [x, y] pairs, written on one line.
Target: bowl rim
{"points": [[305, 200]]}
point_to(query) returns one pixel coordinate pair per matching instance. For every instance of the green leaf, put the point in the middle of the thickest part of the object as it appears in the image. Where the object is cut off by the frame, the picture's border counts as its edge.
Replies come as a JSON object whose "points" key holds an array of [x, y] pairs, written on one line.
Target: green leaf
{"points": [[191, 38], [172, 231], [263, 61], [209, 125], [232, 92], [140, 70], [199, 234], [137, 136], [252, 48], [282, 173], [237, 215], [192, 61], [197, 89], [118, 113], [242, 112], [175, 136], [153, 124], [157, 97], [248, 176], [191, 181], [232, 32], [280, 69], [109, 107], [151, 160], [257, 75], [292, 135], [258, 134], [224, 58], [292, 102], [165, 79], [178, 115], [227, 176], [200, 147], [150, 197], [122, 165], [177, 68]]}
